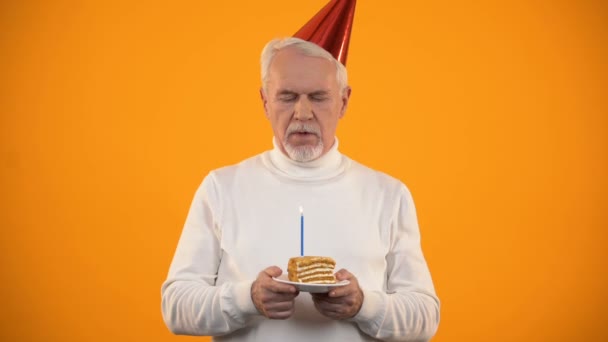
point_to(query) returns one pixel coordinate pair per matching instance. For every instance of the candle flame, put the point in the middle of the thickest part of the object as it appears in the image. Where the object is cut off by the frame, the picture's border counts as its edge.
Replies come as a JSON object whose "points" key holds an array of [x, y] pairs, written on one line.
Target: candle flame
{"points": [[301, 210]]}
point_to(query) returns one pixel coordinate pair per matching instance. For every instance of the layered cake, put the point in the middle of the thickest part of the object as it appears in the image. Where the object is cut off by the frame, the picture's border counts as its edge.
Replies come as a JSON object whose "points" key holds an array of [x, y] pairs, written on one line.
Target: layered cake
{"points": [[311, 270]]}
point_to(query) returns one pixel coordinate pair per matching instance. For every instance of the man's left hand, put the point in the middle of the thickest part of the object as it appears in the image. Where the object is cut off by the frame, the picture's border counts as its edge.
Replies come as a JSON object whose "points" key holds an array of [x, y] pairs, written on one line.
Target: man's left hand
{"points": [[341, 302]]}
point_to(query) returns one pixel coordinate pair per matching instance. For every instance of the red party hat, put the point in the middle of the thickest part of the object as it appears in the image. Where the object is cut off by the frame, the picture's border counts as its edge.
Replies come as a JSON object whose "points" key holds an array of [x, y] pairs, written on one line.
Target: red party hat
{"points": [[331, 27]]}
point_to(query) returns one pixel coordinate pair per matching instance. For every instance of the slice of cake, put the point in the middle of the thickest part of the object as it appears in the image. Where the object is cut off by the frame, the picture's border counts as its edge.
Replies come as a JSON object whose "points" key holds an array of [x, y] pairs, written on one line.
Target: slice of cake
{"points": [[311, 269]]}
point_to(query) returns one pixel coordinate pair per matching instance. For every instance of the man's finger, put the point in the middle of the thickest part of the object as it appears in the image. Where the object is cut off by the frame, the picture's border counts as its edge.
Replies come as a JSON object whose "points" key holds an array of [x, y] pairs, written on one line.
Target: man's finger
{"points": [[342, 291], [343, 274], [281, 314], [277, 287], [331, 300], [279, 306], [273, 271]]}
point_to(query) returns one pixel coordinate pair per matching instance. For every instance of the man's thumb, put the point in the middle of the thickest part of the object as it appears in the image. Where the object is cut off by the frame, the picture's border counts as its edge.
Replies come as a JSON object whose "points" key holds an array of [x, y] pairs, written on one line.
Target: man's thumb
{"points": [[273, 271]]}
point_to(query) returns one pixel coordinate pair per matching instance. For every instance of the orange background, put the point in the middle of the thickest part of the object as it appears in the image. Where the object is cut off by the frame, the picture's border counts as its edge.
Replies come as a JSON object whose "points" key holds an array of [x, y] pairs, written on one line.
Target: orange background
{"points": [[493, 113]]}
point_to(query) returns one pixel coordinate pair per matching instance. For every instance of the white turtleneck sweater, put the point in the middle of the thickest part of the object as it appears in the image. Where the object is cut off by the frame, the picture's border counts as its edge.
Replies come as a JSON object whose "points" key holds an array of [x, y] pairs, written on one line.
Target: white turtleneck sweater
{"points": [[245, 218]]}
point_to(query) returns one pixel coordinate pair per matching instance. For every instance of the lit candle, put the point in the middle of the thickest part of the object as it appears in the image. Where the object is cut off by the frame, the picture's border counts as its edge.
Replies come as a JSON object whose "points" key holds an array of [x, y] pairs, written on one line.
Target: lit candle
{"points": [[301, 231]]}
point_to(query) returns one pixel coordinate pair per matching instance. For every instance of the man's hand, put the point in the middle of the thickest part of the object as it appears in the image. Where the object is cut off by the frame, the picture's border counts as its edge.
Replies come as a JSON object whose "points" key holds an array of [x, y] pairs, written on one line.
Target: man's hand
{"points": [[273, 299], [341, 302]]}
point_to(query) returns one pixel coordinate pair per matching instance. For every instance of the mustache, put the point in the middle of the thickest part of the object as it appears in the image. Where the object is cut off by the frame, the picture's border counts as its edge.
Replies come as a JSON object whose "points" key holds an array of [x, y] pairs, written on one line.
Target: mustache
{"points": [[303, 128]]}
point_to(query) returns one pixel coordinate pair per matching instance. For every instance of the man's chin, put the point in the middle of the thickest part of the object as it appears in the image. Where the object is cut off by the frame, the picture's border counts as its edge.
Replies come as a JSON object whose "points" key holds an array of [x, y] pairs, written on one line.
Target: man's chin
{"points": [[304, 152], [302, 146]]}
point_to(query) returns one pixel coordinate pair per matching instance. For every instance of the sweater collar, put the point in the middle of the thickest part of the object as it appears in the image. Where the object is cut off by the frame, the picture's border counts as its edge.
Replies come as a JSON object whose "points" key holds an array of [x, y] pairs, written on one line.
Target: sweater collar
{"points": [[329, 165]]}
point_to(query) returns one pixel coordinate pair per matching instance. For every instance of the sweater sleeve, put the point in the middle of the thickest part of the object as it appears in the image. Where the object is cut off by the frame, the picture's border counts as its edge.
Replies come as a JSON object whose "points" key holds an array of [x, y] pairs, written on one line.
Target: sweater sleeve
{"points": [[192, 303], [409, 309]]}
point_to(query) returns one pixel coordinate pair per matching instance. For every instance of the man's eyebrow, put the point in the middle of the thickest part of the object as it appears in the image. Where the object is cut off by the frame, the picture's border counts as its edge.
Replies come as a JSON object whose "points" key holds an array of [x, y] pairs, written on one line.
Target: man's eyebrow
{"points": [[284, 92], [292, 92], [319, 93]]}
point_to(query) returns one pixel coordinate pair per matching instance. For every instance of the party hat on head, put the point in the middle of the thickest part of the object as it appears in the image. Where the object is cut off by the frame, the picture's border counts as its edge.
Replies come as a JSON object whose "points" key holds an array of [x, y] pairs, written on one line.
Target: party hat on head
{"points": [[330, 28]]}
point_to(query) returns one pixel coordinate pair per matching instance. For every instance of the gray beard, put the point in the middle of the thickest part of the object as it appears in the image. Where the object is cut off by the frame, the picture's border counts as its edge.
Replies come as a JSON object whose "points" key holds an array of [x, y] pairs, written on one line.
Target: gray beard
{"points": [[303, 153]]}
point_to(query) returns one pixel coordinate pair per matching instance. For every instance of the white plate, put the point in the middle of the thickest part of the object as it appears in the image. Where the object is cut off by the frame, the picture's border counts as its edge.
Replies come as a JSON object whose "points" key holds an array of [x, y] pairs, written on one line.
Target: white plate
{"points": [[312, 288]]}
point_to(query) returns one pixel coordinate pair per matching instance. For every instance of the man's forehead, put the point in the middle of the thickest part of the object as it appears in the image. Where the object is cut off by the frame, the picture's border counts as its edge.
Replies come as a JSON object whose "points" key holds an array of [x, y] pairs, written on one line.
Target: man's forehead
{"points": [[293, 61], [302, 81], [285, 86], [290, 53]]}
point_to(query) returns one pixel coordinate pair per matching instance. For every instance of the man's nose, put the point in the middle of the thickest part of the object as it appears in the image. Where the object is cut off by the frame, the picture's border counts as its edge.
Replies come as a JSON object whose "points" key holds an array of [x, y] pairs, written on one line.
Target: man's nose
{"points": [[303, 109]]}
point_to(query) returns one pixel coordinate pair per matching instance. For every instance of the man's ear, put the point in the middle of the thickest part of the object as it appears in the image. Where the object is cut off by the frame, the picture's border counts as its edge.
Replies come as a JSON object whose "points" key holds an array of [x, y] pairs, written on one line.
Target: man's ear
{"points": [[345, 99], [264, 100]]}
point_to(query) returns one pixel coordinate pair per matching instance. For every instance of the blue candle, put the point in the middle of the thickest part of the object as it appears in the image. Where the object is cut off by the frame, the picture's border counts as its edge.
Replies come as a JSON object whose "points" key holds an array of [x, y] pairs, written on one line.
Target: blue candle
{"points": [[301, 231]]}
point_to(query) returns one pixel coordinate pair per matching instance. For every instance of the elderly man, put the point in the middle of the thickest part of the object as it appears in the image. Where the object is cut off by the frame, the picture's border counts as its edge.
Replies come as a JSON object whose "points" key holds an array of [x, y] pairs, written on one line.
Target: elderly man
{"points": [[242, 228]]}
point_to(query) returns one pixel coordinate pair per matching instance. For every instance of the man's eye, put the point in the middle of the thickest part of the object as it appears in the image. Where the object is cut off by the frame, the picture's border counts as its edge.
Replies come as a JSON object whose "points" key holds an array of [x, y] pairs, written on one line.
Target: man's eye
{"points": [[287, 98], [318, 98]]}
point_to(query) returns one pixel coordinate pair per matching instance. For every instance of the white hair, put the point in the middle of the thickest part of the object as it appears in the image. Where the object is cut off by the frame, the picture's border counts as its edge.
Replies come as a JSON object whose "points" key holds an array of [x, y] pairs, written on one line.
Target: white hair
{"points": [[306, 48]]}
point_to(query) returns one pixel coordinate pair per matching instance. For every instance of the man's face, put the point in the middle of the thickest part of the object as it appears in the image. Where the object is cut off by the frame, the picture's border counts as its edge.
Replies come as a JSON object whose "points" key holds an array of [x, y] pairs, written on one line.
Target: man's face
{"points": [[303, 103]]}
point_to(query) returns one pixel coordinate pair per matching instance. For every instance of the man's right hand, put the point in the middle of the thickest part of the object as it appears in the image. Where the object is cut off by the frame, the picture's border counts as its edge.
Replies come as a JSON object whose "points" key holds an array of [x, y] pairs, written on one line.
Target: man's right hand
{"points": [[273, 299]]}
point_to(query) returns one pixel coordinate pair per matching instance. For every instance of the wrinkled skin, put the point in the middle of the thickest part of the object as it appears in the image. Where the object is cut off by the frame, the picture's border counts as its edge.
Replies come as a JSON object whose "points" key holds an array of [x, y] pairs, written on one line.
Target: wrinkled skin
{"points": [[273, 299], [341, 302]]}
